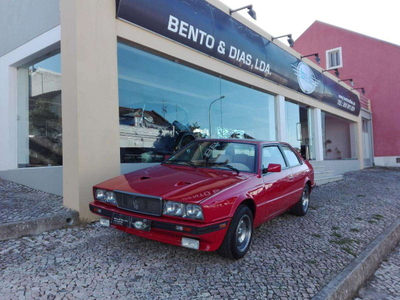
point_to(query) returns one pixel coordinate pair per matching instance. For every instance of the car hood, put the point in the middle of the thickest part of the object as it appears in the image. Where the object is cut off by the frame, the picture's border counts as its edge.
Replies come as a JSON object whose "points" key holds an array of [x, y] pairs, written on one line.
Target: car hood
{"points": [[176, 183]]}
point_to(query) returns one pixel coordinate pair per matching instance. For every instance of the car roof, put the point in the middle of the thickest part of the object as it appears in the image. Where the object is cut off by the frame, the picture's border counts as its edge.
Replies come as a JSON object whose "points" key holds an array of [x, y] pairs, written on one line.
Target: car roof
{"points": [[241, 141]]}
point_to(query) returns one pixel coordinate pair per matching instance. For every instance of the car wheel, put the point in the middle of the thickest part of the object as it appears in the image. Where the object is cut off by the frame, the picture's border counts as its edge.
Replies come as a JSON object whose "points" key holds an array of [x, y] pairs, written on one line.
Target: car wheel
{"points": [[239, 234], [301, 207]]}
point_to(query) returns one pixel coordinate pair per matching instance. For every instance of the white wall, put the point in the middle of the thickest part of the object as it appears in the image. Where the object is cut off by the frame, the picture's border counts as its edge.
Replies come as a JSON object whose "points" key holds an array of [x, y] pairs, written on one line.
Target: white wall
{"points": [[47, 179], [387, 161], [22, 21], [9, 63], [342, 166]]}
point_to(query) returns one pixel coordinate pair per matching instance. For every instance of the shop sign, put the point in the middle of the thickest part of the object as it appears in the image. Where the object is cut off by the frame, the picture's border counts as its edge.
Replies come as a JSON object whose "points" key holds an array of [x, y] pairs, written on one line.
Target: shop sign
{"points": [[201, 26]]}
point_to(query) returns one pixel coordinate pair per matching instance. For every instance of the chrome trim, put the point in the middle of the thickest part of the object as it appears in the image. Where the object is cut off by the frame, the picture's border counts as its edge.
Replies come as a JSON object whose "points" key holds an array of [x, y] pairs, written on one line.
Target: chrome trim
{"points": [[141, 195]]}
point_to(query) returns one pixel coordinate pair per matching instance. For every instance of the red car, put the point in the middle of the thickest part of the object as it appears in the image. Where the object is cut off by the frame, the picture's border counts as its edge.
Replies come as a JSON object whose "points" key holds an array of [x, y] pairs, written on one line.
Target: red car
{"points": [[208, 196]]}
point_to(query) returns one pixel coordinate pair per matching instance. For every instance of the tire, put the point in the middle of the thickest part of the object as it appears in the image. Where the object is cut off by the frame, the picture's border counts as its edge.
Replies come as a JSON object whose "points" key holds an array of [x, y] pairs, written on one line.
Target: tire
{"points": [[237, 240], [301, 207]]}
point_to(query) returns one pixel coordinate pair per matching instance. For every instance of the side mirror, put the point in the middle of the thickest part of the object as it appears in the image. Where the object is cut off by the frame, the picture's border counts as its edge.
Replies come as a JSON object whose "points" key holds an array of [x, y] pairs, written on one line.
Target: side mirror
{"points": [[166, 157], [274, 168]]}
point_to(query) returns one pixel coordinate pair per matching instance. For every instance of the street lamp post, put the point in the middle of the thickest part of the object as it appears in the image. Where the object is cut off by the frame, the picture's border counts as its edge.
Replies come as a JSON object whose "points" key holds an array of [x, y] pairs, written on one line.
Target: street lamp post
{"points": [[209, 112]]}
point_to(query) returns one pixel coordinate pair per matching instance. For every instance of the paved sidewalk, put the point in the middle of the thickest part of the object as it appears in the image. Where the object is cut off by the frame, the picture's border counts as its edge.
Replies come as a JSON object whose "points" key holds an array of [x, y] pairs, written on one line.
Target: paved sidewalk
{"points": [[385, 283], [21, 203], [25, 211], [291, 257]]}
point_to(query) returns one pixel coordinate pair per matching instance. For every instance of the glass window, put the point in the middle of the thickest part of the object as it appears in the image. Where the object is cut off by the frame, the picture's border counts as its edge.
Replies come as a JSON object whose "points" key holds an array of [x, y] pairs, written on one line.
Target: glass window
{"points": [[299, 129], [292, 158], [339, 137], [272, 155], [164, 105], [209, 154], [365, 125], [39, 112], [334, 58], [293, 124], [244, 113]]}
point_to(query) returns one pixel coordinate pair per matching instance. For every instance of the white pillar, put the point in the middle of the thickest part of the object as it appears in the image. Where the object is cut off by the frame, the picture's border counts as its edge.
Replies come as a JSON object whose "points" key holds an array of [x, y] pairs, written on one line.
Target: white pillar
{"points": [[23, 116], [5, 115], [318, 142], [280, 118], [356, 141]]}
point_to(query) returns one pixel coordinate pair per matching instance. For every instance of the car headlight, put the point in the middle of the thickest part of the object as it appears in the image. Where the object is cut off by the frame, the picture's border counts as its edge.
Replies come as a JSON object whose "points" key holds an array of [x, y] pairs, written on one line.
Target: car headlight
{"points": [[172, 208], [100, 194], [105, 196], [110, 198], [194, 212], [178, 209]]}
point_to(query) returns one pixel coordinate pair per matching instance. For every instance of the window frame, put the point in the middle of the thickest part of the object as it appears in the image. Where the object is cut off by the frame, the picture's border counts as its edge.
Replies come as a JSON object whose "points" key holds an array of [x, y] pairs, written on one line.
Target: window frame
{"points": [[300, 159], [328, 52], [283, 155]]}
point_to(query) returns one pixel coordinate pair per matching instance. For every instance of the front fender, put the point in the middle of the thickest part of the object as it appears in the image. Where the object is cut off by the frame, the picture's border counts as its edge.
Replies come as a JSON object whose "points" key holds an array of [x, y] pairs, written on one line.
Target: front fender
{"points": [[225, 208]]}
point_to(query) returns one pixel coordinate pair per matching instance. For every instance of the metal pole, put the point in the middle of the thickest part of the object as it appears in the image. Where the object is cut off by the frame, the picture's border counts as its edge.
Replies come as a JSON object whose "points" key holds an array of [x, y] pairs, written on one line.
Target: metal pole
{"points": [[209, 112]]}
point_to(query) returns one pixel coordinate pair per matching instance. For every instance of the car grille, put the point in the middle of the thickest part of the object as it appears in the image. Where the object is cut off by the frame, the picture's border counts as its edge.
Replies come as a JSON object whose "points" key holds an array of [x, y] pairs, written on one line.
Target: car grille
{"points": [[143, 204]]}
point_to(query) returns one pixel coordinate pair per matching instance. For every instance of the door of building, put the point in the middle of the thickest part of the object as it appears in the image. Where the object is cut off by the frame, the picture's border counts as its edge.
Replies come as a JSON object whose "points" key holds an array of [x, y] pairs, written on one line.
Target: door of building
{"points": [[367, 142]]}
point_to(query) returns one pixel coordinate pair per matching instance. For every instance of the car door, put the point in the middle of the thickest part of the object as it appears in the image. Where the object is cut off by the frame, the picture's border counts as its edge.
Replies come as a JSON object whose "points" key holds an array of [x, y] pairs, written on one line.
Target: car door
{"points": [[298, 169], [276, 185]]}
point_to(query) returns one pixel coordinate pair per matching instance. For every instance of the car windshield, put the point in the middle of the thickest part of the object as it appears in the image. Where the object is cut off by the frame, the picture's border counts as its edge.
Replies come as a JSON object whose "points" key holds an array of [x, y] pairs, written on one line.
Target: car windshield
{"points": [[239, 157]]}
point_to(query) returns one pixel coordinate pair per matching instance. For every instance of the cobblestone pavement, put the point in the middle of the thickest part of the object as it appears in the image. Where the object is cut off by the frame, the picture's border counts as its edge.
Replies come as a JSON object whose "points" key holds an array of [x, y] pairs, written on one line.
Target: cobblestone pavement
{"points": [[21, 203], [290, 258], [385, 283]]}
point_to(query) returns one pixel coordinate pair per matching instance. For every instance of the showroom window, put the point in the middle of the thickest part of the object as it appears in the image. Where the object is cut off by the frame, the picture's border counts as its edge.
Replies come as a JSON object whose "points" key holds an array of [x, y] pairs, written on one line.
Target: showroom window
{"points": [[299, 129], [39, 112], [339, 136], [162, 111]]}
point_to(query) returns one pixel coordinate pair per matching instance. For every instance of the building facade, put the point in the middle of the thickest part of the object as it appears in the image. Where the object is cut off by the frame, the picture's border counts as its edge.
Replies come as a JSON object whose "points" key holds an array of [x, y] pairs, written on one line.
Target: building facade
{"points": [[118, 85], [372, 64]]}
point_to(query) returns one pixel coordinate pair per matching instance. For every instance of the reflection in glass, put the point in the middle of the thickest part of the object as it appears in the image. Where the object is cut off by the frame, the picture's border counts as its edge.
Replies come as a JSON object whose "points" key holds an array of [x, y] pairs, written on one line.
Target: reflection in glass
{"points": [[299, 129], [39, 113], [234, 156], [164, 105], [246, 113]]}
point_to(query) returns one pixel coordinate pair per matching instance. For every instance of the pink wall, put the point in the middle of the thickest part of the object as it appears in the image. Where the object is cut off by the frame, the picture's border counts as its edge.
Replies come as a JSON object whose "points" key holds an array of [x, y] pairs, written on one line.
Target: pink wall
{"points": [[372, 64]]}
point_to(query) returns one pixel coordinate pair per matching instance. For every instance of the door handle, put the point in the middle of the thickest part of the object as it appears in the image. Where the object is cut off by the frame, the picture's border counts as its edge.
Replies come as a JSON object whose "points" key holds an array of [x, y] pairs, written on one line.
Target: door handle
{"points": [[291, 177]]}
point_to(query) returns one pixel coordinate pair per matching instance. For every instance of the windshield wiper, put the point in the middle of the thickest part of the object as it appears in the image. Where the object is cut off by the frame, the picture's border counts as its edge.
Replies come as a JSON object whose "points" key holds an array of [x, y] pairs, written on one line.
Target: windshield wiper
{"points": [[189, 162], [227, 165]]}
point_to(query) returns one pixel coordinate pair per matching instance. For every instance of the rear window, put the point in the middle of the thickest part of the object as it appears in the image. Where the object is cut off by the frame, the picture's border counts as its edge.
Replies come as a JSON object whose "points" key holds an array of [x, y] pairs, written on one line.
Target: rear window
{"points": [[292, 158], [272, 155]]}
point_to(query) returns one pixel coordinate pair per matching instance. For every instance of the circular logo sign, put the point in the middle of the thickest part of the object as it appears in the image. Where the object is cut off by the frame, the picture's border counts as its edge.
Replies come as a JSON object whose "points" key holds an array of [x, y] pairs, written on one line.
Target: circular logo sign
{"points": [[306, 78]]}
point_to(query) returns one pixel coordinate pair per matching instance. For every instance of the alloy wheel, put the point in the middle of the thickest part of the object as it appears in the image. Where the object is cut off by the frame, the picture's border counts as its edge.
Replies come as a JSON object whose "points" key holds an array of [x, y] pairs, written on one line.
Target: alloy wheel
{"points": [[243, 233]]}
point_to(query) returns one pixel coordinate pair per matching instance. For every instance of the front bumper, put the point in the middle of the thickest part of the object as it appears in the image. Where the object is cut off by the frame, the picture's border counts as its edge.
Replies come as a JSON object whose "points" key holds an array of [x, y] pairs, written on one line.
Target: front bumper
{"points": [[209, 235]]}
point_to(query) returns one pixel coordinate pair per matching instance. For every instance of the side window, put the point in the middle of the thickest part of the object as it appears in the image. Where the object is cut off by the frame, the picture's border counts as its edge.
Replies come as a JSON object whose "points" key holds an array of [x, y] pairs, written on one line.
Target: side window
{"points": [[291, 156], [272, 155]]}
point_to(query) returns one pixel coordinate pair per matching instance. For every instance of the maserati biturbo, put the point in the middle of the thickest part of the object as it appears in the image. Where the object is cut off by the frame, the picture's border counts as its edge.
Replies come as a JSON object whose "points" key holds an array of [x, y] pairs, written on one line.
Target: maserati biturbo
{"points": [[208, 196]]}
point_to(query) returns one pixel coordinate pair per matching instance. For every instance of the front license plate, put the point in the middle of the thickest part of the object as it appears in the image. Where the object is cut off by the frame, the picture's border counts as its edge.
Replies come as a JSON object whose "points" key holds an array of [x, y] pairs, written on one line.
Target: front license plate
{"points": [[121, 220], [131, 222]]}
